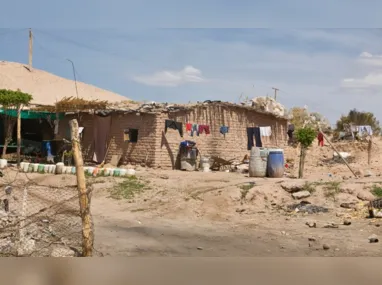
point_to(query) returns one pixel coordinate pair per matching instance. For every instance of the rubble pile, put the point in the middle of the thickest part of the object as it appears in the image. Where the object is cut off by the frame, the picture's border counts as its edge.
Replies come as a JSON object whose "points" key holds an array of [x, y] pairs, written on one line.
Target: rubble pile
{"points": [[269, 105]]}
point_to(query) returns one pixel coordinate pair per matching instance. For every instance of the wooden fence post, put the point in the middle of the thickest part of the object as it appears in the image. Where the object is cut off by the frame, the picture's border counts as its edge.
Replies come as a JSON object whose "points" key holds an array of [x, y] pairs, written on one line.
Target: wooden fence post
{"points": [[18, 135], [369, 148], [84, 195]]}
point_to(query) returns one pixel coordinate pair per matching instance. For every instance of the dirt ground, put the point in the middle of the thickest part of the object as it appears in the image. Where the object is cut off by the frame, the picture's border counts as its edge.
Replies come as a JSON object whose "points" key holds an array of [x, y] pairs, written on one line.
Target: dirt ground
{"points": [[175, 213], [216, 214]]}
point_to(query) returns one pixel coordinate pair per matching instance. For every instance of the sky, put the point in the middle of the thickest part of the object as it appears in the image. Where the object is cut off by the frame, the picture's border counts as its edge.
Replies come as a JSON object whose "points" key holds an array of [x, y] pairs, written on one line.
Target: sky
{"points": [[326, 55]]}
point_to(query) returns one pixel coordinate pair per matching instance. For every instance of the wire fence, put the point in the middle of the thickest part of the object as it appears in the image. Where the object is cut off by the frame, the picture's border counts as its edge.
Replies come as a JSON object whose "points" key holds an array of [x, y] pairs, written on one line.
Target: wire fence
{"points": [[38, 219]]}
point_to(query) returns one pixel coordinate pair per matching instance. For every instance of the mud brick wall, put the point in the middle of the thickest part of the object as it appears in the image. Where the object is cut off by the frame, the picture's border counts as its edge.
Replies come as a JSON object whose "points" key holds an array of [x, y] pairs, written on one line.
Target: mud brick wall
{"points": [[233, 145], [142, 152]]}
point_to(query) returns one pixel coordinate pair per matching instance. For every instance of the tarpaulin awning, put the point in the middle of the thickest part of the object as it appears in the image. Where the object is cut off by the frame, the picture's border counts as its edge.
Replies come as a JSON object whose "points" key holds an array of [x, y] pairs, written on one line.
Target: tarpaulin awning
{"points": [[27, 114]]}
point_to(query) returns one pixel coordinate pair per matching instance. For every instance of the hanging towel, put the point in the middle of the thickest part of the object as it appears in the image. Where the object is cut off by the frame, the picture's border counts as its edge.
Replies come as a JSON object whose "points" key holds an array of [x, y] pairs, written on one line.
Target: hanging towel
{"points": [[205, 129], [265, 131], [195, 129], [257, 134], [174, 125], [188, 127], [224, 130]]}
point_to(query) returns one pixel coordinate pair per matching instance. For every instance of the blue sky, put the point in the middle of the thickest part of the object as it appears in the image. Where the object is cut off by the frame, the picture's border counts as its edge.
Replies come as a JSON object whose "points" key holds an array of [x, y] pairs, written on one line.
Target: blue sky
{"points": [[121, 47]]}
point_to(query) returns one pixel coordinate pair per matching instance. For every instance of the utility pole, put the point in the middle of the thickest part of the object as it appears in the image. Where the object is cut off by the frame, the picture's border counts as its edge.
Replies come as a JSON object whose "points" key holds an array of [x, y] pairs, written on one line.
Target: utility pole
{"points": [[275, 92], [74, 74], [30, 49]]}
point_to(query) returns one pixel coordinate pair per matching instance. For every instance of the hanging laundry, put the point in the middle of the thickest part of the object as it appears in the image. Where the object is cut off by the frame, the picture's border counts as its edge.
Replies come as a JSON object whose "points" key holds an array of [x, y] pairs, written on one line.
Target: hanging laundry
{"points": [[224, 130], [205, 129], [365, 130], [265, 131], [195, 129], [188, 127], [257, 134], [174, 125], [250, 134], [291, 127], [254, 132]]}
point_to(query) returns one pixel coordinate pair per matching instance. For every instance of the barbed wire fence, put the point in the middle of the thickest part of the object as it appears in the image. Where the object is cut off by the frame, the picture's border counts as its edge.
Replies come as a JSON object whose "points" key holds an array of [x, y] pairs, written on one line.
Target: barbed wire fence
{"points": [[37, 219]]}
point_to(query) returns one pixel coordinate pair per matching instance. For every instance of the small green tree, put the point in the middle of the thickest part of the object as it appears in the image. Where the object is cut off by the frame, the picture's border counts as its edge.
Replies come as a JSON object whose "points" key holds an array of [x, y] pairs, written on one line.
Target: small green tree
{"points": [[305, 136], [10, 101]]}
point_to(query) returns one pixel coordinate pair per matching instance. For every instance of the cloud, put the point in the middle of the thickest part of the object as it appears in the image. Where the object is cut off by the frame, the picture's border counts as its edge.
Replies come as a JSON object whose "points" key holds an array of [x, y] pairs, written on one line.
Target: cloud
{"points": [[369, 59], [369, 81], [188, 74]]}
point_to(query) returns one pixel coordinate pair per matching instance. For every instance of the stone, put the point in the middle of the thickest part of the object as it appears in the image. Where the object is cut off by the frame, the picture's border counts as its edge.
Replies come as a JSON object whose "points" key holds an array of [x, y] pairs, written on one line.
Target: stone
{"points": [[368, 173], [359, 173], [199, 248], [349, 188], [311, 224], [293, 186], [27, 247], [311, 239], [240, 210], [373, 238], [325, 246], [164, 176], [347, 222], [331, 226], [301, 195], [348, 205], [62, 252], [365, 196]]}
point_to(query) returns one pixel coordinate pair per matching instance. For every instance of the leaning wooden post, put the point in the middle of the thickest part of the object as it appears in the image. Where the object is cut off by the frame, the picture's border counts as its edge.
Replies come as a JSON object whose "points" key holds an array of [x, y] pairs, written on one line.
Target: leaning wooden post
{"points": [[343, 159], [84, 196], [369, 148], [18, 135]]}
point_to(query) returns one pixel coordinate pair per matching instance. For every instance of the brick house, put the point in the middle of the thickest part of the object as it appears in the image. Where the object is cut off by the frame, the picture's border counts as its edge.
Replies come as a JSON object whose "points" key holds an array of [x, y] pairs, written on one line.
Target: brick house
{"points": [[150, 145]]}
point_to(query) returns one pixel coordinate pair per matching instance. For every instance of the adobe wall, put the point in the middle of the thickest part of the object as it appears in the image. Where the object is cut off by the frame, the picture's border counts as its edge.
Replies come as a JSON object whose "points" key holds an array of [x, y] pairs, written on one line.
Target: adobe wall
{"points": [[233, 145], [142, 152]]}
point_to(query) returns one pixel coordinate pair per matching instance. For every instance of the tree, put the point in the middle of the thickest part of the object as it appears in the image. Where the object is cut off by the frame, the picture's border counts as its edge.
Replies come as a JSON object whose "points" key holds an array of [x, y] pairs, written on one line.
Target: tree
{"points": [[305, 136], [10, 101], [358, 118], [301, 118]]}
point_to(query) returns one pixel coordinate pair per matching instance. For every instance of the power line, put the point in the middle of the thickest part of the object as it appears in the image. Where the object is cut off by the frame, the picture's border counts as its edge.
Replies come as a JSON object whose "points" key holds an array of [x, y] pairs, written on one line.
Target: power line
{"points": [[78, 44], [10, 31]]}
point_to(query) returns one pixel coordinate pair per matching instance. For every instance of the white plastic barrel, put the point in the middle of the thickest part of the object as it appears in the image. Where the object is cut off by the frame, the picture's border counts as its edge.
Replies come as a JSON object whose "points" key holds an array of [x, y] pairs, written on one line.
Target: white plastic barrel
{"points": [[130, 172], [122, 172], [205, 164], [258, 162], [60, 168], [46, 168], [26, 166], [3, 163]]}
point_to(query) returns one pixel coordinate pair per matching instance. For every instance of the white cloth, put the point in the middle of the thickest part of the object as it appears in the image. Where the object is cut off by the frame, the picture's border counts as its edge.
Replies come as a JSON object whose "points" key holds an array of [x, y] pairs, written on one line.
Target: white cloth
{"points": [[55, 127], [265, 131], [365, 129]]}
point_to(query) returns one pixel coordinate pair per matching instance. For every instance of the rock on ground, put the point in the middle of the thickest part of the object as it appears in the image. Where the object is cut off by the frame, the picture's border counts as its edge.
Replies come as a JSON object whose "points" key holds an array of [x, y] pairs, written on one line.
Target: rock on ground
{"points": [[293, 186], [365, 196], [301, 195], [62, 252]]}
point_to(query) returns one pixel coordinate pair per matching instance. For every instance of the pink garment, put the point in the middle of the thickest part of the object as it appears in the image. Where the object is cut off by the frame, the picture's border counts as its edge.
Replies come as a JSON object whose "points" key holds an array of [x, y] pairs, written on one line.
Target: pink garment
{"points": [[101, 129]]}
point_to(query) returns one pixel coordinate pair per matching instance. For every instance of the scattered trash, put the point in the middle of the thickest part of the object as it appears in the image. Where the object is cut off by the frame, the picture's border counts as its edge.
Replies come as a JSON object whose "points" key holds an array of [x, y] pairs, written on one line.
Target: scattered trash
{"points": [[307, 207]]}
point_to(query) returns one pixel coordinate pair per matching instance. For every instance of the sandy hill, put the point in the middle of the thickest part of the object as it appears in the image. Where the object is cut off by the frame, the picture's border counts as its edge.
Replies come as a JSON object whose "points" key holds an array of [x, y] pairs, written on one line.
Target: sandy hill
{"points": [[47, 88]]}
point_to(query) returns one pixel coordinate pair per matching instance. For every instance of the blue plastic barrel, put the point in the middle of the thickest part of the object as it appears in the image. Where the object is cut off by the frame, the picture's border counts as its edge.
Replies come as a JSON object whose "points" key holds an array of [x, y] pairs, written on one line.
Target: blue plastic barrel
{"points": [[275, 165]]}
